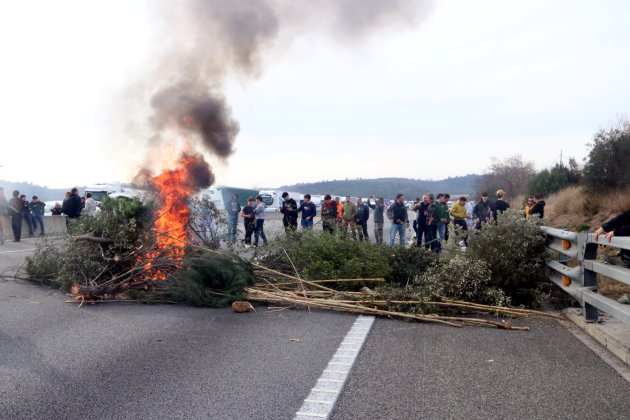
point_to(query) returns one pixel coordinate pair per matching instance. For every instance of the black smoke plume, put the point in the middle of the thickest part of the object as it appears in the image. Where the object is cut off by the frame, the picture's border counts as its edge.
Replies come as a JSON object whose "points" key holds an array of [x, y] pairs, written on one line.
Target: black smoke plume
{"points": [[205, 41]]}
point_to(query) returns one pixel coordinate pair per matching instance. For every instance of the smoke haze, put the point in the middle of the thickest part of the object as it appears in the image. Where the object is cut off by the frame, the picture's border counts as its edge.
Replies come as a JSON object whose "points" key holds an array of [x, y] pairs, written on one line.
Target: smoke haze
{"points": [[201, 42]]}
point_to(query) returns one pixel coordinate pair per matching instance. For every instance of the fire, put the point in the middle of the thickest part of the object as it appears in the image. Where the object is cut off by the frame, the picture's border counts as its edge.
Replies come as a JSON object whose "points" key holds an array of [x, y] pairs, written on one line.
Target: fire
{"points": [[174, 188]]}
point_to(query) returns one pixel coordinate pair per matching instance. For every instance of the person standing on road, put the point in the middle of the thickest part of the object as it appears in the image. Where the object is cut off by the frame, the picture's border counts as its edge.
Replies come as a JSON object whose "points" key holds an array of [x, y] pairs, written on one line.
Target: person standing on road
{"points": [[249, 219], [89, 208], [538, 209], [339, 212], [421, 208], [500, 205], [397, 213], [617, 226], [289, 211], [28, 216], [362, 216], [260, 221], [482, 212], [431, 238], [4, 211], [309, 211], [349, 214], [234, 209], [38, 208], [329, 214], [379, 209], [443, 219], [72, 205], [458, 211], [15, 212]]}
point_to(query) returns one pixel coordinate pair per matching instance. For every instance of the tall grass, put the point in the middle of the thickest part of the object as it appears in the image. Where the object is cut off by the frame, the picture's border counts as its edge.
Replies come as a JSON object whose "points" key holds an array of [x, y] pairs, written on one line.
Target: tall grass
{"points": [[575, 206]]}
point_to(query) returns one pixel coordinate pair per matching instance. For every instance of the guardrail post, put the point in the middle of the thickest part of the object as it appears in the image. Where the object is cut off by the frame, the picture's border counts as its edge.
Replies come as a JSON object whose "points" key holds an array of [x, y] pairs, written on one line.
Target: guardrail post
{"points": [[588, 278]]}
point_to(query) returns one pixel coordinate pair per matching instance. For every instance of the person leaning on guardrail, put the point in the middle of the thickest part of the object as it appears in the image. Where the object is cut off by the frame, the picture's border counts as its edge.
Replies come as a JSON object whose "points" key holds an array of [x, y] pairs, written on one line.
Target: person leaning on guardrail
{"points": [[617, 226]]}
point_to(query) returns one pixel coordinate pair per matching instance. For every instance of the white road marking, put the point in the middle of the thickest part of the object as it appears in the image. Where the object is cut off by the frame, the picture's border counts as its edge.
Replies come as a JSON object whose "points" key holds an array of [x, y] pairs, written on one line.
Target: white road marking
{"points": [[17, 250], [323, 396]]}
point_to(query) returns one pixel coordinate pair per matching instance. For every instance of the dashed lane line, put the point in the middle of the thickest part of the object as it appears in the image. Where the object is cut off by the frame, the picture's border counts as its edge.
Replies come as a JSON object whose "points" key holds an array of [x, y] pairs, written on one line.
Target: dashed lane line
{"points": [[323, 396]]}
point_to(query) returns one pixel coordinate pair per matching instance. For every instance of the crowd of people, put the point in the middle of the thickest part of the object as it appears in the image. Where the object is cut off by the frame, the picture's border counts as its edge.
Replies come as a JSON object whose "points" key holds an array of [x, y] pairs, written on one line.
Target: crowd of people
{"points": [[350, 217], [20, 210]]}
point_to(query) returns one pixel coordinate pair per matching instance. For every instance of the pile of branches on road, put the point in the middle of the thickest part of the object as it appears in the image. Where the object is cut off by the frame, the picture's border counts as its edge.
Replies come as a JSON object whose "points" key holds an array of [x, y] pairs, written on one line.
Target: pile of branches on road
{"points": [[114, 257]]}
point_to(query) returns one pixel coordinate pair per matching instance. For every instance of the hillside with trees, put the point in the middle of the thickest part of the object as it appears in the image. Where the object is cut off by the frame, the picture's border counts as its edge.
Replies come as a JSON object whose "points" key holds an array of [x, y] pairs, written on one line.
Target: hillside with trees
{"points": [[388, 187]]}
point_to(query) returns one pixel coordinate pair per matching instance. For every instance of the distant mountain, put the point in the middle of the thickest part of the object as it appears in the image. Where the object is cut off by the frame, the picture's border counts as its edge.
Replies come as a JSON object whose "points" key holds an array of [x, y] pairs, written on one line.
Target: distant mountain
{"points": [[28, 189], [388, 187]]}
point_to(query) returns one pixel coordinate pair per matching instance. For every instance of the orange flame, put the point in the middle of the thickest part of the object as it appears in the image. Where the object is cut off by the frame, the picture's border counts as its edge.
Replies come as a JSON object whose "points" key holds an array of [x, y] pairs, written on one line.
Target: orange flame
{"points": [[174, 189]]}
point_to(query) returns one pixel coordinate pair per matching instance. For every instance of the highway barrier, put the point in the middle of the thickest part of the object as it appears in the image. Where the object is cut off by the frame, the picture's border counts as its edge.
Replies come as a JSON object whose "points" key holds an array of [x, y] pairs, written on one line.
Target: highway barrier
{"points": [[52, 225], [576, 269]]}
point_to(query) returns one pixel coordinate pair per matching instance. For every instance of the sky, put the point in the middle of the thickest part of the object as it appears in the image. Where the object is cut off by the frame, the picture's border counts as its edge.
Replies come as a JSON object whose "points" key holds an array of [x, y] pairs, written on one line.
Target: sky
{"points": [[436, 99]]}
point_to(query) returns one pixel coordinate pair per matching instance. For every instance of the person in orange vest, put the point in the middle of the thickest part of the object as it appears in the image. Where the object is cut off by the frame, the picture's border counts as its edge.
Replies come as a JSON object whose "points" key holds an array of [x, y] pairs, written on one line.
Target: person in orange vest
{"points": [[339, 211]]}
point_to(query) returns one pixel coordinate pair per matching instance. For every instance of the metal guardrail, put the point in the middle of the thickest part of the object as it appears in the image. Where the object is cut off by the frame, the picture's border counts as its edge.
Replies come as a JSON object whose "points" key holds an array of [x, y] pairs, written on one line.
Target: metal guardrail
{"points": [[580, 281]]}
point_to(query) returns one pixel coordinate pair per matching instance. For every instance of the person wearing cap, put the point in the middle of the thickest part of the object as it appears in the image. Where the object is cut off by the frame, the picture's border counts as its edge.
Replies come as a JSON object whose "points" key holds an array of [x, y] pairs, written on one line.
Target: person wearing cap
{"points": [[289, 210], [38, 208]]}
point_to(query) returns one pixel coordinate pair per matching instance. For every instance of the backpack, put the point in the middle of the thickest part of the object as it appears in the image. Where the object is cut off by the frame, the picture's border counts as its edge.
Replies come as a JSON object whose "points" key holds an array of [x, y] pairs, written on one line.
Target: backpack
{"points": [[390, 211]]}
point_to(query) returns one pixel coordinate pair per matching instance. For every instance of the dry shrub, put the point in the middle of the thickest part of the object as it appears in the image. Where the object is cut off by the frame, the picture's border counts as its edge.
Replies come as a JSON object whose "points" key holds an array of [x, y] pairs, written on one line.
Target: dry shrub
{"points": [[574, 206], [565, 209]]}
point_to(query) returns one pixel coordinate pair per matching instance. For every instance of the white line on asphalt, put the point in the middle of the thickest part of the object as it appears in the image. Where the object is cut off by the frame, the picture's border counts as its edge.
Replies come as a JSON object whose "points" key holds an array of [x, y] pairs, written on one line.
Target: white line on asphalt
{"points": [[320, 402], [18, 250]]}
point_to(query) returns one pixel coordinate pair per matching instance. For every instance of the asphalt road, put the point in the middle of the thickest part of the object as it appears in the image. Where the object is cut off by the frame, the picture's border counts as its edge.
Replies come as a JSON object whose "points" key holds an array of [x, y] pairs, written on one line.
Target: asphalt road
{"points": [[156, 361], [139, 361], [422, 371]]}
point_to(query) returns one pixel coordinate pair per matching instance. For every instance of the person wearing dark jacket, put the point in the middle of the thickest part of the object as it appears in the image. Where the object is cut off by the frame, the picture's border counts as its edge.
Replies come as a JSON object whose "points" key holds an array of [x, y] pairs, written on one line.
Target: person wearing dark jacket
{"points": [[539, 207], [482, 211], [249, 218], [72, 206], [28, 216], [397, 213], [289, 210], [15, 212], [617, 226], [309, 211], [361, 217], [38, 208], [500, 205], [421, 219], [379, 219], [431, 233]]}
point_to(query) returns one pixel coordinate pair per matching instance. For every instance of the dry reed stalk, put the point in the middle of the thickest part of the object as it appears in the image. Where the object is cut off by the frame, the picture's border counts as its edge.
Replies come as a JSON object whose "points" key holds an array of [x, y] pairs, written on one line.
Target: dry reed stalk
{"points": [[275, 297]]}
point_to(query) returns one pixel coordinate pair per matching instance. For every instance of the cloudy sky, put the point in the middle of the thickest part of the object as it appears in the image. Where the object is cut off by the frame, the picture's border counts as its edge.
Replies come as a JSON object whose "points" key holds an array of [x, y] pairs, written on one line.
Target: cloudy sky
{"points": [[436, 98]]}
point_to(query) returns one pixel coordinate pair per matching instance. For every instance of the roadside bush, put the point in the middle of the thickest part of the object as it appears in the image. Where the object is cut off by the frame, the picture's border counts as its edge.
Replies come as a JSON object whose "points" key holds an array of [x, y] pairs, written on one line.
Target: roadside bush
{"points": [[320, 255], [514, 252], [462, 278], [407, 263]]}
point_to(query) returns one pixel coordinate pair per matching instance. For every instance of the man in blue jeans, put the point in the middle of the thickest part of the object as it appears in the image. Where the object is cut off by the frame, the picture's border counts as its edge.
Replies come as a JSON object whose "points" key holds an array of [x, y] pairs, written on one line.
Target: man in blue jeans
{"points": [[397, 213], [37, 209], [309, 211]]}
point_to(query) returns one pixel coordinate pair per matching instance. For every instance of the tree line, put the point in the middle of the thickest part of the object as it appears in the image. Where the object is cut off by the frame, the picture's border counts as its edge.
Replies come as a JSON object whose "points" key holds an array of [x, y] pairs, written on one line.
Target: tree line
{"points": [[605, 168]]}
